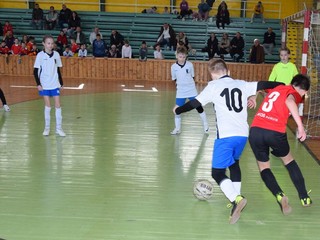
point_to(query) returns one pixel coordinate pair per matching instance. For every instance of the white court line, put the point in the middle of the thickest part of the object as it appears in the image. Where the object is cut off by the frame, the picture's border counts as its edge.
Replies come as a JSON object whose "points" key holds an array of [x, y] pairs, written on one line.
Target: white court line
{"points": [[81, 86], [140, 90]]}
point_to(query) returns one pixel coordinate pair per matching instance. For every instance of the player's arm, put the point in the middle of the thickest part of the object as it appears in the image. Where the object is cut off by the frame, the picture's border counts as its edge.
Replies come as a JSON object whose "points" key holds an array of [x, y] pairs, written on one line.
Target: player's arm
{"points": [[187, 107], [60, 77], [36, 76], [293, 108]]}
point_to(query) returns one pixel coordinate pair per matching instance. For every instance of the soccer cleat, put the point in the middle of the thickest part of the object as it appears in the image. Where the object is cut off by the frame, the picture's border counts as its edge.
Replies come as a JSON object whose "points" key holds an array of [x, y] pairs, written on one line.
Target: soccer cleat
{"points": [[60, 132], [238, 206], [6, 108], [306, 202], [46, 132], [175, 132], [283, 202]]}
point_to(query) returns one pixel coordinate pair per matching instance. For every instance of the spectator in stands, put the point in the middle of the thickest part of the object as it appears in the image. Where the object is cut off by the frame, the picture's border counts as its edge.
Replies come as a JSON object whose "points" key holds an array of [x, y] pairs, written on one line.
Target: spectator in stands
{"points": [[61, 42], [30, 43], [64, 16], [4, 48], [37, 17], [184, 10], [25, 39], [74, 46], [212, 45], [116, 39], [7, 27], [24, 49], [113, 52], [236, 47], [224, 45], [223, 16], [79, 36], [167, 37], [152, 10], [1, 29], [67, 52], [166, 10], [9, 39], [210, 3], [256, 52], [93, 35], [126, 51], [74, 22], [82, 51], [158, 52], [258, 12], [34, 50], [16, 47], [99, 47], [51, 18], [269, 41], [203, 11], [143, 51], [183, 38]]}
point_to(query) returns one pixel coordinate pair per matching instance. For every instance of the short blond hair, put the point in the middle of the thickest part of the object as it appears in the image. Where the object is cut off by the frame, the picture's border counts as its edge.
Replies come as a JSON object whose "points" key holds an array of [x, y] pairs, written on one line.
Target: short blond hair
{"points": [[217, 65]]}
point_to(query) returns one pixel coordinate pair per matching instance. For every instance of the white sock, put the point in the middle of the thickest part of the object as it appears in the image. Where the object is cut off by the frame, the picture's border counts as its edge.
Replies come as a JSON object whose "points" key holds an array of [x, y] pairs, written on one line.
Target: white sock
{"points": [[204, 120], [237, 187], [228, 189], [47, 116], [58, 118], [177, 122]]}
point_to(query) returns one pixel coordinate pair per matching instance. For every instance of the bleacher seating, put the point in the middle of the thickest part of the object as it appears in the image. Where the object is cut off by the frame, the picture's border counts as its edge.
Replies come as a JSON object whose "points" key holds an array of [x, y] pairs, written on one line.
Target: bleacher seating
{"points": [[138, 27]]}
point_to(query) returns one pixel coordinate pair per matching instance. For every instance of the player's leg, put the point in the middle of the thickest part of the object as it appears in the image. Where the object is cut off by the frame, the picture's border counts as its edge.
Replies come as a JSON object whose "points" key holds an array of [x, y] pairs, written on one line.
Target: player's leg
{"points": [[57, 104], [177, 118], [297, 179], [203, 117], [260, 148], [223, 158], [4, 101], [47, 110]]}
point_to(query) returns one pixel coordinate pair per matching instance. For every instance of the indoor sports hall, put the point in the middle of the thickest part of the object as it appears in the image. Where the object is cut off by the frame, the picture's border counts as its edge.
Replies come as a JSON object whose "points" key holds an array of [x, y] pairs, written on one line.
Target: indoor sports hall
{"points": [[119, 174]]}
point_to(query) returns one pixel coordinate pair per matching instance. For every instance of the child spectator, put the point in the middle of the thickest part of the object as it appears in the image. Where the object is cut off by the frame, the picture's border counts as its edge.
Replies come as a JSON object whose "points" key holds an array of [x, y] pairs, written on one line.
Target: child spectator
{"points": [[158, 52], [126, 51], [74, 46], [82, 51], [24, 49], [34, 51], [25, 39], [93, 35], [7, 27], [113, 52], [4, 48], [99, 47], [16, 47], [143, 51], [30, 43], [67, 52], [51, 18]]}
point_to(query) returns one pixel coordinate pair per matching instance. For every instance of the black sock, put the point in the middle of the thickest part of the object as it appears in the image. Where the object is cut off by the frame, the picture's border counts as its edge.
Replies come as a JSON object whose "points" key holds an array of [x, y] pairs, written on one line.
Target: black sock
{"points": [[297, 178], [270, 181], [2, 97], [235, 172]]}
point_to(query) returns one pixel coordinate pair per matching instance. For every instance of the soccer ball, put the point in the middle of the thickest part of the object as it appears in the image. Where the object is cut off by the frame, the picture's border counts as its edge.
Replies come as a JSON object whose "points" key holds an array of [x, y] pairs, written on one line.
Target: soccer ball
{"points": [[203, 189]]}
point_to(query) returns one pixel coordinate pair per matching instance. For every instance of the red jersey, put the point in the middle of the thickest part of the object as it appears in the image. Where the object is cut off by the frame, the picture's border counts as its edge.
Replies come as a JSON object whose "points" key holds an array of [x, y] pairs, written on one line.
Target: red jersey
{"points": [[29, 46], [74, 48], [4, 50], [16, 49], [273, 113], [24, 51]]}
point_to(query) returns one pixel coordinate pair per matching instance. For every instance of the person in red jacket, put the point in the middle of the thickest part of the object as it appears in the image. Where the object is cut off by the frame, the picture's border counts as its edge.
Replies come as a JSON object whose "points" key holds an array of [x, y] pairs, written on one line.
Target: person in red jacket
{"points": [[268, 131], [16, 47], [61, 42], [7, 27]]}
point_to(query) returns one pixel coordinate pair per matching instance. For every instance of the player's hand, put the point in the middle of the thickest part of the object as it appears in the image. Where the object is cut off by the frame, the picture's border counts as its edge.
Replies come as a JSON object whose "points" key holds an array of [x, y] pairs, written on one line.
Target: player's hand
{"points": [[174, 109], [252, 102], [301, 134], [39, 88]]}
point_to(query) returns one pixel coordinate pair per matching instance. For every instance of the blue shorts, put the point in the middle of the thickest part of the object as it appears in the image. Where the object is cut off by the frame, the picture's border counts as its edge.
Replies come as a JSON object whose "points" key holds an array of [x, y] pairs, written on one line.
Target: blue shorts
{"points": [[50, 93], [227, 150], [181, 101]]}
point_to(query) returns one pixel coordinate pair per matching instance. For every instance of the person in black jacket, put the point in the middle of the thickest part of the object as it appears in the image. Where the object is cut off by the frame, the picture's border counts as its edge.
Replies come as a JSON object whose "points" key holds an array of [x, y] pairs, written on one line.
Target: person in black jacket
{"points": [[269, 41], [116, 39], [223, 16], [37, 17], [236, 47], [167, 36], [64, 16], [212, 45]]}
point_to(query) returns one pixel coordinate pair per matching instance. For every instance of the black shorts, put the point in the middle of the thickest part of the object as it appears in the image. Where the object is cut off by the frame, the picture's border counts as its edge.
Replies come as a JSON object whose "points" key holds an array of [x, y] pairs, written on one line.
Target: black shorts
{"points": [[261, 140]]}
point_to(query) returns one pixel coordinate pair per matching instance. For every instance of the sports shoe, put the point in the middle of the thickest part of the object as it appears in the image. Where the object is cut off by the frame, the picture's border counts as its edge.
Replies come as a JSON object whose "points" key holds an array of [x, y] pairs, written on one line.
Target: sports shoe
{"points": [[283, 202], [238, 206], [6, 108], [60, 132], [306, 202], [175, 132], [46, 132]]}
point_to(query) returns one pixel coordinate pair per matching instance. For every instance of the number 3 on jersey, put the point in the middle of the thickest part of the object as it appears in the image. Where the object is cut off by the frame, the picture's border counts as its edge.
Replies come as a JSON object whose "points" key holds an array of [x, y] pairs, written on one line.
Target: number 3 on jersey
{"points": [[267, 106], [231, 97]]}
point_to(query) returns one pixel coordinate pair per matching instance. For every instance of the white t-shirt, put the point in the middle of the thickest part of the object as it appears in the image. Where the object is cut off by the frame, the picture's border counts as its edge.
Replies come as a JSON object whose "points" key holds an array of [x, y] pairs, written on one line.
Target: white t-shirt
{"points": [[229, 97], [126, 51], [158, 54], [184, 75], [48, 69]]}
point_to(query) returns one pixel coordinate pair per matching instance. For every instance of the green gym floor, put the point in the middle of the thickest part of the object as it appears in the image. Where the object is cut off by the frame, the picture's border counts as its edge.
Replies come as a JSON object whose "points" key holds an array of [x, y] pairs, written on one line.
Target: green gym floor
{"points": [[120, 175]]}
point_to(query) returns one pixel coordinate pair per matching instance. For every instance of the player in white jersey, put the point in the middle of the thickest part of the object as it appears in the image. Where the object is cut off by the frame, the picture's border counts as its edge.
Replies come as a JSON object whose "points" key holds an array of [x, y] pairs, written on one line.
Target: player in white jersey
{"points": [[230, 99], [49, 82], [182, 72]]}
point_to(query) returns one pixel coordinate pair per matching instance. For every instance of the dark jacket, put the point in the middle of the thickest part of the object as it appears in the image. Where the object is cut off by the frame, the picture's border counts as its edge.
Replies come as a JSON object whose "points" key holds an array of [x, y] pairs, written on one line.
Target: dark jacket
{"points": [[256, 54], [173, 41], [116, 39]]}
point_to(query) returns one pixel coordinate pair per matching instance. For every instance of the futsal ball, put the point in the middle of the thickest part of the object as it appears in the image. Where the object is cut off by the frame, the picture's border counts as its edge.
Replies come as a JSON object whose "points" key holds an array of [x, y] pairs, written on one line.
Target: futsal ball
{"points": [[203, 189]]}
